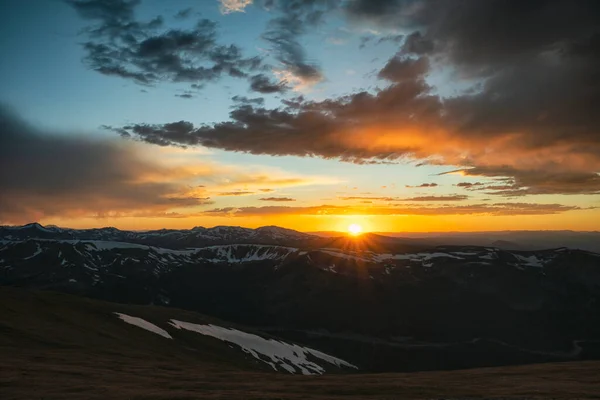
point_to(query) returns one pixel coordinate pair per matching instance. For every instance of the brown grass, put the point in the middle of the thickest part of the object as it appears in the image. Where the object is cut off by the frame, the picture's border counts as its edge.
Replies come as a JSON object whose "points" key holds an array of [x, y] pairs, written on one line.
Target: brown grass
{"points": [[70, 374]]}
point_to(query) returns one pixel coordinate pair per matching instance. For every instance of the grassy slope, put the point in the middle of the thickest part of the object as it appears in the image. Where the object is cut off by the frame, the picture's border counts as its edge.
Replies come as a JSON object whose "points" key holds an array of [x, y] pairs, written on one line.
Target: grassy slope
{"points": [[55, 346]]}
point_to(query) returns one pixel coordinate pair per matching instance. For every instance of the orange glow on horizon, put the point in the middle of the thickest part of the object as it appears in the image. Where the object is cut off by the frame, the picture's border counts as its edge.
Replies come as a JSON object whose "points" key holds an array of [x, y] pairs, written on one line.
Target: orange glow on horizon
{"points": [[582, 220]]}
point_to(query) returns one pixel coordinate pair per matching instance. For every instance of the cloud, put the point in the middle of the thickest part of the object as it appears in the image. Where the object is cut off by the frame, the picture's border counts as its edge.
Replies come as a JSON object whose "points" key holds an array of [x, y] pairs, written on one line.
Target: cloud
{"points": [[183, 14], [370, 198], [259, 101], [263, 84], [423, 185], [529, 114], [415, 43], [498, 209], [391, 38], [454, 197], [236, 193], [518, 182], [399, 69], [230, 6], [119, 45], [468, 185], [185, 95], [293, 19], [277, 199], [49, 174], [53, 174]]}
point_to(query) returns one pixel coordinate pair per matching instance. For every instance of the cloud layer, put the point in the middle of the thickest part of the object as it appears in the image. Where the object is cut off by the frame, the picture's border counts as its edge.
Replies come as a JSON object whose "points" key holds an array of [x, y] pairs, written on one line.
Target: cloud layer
{"points": [[498, 209], [148, 52], [528, 114], [49, 174]]}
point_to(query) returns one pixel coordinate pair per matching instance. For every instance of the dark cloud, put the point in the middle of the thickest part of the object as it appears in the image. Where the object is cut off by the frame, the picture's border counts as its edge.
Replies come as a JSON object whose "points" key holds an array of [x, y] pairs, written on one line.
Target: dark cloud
{"points": [[263, 84], [497, 209], [531, 114], [183, 14], [294, 18], [185, 95], [401, 69], [392, 38], [329, 129], [284, 199], [469, 185], [49, 174], [177, 133], [259, 101], [415, 43], [530, 182], [423, 185], [119, 45]]}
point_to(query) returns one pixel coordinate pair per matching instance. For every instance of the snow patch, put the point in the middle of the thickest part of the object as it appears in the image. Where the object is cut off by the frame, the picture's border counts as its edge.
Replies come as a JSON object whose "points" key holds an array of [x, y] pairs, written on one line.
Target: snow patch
{"points": [[38, 251], [531, 261], [142, 323], [238, 253], [289, 357]]}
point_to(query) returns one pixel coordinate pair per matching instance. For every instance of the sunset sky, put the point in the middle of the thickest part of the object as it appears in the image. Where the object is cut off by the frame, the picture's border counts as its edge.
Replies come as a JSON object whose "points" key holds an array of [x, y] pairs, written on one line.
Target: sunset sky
{"points": [[398, 115]]}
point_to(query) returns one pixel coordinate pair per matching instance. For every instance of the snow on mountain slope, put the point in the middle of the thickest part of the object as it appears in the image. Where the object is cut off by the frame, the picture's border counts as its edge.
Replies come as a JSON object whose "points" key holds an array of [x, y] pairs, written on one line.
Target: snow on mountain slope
{"points": [[279, 355], [142, 323], [238, 253], [195, 237]]}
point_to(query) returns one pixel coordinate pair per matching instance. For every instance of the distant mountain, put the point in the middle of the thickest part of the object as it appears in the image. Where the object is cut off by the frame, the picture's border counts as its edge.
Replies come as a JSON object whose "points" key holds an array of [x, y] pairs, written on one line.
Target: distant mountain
{"points": [[168, 238], [526, 240], [507, 245], [371, 300]]}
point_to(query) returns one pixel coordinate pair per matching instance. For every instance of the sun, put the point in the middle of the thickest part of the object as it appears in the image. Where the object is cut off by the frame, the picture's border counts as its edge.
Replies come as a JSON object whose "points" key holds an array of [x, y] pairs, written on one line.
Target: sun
{"points": [[355, 229]]}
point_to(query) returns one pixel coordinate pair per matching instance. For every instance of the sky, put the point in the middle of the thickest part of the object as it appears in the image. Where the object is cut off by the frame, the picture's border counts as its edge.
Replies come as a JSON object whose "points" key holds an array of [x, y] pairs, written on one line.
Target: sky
{"points": [[397, 115]]}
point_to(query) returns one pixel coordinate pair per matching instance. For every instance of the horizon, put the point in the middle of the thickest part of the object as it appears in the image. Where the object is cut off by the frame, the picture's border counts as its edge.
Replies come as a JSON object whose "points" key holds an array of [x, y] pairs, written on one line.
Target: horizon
{"points": [[344, 231], [314, 116]]}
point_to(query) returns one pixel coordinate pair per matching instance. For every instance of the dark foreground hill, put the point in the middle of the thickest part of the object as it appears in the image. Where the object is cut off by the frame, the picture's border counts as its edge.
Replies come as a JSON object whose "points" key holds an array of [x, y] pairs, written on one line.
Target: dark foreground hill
{"points": [[57, 346]]}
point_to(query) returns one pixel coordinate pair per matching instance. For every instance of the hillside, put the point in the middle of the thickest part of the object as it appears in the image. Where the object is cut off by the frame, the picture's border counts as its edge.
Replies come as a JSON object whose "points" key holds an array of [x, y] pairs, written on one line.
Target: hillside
{"points": [[58, 346]]}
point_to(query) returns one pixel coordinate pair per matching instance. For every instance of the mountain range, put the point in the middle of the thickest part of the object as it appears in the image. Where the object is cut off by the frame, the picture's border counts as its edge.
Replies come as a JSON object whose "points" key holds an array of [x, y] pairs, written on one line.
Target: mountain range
{"points": [[379, 303]]}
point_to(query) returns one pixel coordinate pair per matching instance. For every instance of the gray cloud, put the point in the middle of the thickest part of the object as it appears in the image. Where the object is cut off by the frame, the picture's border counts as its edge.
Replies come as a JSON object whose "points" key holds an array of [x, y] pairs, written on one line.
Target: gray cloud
{"points": [[531, 117], [259, 101], [400, 69], [263, 84], [119, 45], [184, 14], [46, 174], [469, 185], [281, 199], [375, 40], [530, 182], [294, 19]]}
